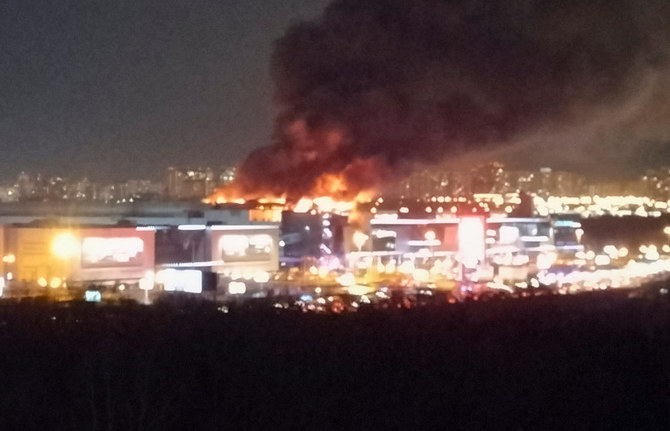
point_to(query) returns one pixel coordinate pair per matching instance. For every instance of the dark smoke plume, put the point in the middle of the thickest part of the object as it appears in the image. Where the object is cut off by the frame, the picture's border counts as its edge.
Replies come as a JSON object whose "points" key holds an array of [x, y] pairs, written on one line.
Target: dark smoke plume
{"points": [[376, 85]]}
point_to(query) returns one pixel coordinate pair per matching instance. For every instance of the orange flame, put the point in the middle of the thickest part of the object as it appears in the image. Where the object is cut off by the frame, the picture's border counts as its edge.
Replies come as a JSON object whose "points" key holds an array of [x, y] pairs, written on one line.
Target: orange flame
{"points": [[330, 193]]}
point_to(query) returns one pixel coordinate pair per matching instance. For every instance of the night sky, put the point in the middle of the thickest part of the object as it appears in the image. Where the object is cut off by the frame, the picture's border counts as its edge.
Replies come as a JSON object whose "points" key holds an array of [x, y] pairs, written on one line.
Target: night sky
{"points": [[124, 88]]}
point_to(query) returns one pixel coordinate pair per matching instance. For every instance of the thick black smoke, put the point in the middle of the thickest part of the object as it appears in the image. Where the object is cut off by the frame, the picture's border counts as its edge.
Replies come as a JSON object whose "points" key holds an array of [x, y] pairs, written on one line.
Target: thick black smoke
{"points": [[381, 84]]}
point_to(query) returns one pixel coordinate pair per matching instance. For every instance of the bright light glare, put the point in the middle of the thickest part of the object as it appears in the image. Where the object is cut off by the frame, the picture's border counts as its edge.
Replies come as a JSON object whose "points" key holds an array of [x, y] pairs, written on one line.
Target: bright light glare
{"points": [[237, 288], [192, 227], [508, 234], [545, 260], [421, 275], [407, 267], [189, 280], [303, 205], [359, 239], [471, 245], [359, 290], [92, 296], [235, 244], [652, 254], [65, 246], [147, 282], [602, 260], [261, 276], [346, 279], [611, 251]]}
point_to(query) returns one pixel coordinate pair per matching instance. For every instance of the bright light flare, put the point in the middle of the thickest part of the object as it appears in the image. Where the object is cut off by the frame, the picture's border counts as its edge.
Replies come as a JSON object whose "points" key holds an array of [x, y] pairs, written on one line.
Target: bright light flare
{"points": [[65, 246], [147, 282], [421, 275], [546, 260], [346, 279], [237, 288], [304, 205], [359, 290], [360, 239], [471, 241], [261, 276], [602, 260]]}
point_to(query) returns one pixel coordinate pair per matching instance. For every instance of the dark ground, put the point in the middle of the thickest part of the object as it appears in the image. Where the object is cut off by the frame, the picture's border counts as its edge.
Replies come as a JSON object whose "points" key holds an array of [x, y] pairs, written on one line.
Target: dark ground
{"points": [[594, 361]]}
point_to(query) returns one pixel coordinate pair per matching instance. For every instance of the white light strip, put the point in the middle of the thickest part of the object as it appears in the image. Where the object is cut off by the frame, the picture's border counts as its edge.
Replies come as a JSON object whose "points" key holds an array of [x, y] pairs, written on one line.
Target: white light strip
{"points": [[243, 227], [539, 238], [425, 243], [517, 220], [503, 249], [192, 227], [543, 247], [193, 264], [410, 221]]}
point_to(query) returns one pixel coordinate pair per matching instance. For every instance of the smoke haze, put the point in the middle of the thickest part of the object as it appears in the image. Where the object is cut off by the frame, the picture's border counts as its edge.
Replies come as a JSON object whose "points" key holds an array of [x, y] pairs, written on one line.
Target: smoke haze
{"points": [[375, 86]]}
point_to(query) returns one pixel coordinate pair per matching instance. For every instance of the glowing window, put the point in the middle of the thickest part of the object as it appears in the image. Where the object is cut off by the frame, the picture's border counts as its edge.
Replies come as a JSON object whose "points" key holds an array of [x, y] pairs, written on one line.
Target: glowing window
{"points": [[240, 248]]}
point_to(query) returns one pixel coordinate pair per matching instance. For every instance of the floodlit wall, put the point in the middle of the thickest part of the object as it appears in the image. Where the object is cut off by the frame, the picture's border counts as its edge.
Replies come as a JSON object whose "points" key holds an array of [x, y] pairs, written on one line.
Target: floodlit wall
{"points": [[114, 254], [80, 254], [250, 248]]}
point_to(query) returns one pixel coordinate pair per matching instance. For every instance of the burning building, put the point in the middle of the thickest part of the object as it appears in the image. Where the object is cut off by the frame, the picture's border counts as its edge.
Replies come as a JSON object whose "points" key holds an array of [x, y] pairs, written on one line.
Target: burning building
{"points": [[374, 87], [312, 235]]}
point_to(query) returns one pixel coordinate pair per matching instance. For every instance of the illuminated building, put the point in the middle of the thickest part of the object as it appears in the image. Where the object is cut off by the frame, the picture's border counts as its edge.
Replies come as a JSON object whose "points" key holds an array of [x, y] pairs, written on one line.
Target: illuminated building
{"points": [[312, 234], [519, 246], [489, 178], [227, 176], [404, 236], [567, 239], [25, 186], [133, 213], [74, 256], [217, 252], [78, 255], [190, 183]]}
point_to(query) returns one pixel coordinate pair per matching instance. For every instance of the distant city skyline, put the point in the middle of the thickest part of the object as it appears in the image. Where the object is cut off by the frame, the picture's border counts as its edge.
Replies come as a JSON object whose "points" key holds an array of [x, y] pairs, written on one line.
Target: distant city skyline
{"points": [[197, 183]]}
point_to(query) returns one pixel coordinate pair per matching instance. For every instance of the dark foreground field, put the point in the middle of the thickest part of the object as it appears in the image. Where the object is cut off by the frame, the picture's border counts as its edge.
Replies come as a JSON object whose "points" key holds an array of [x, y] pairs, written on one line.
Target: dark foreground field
{"points": [[583, 362]]}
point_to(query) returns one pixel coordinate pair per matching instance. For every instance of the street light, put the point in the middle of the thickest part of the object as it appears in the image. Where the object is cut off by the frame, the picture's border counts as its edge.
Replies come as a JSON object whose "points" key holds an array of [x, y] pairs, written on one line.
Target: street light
{"points": [[359, 239]]}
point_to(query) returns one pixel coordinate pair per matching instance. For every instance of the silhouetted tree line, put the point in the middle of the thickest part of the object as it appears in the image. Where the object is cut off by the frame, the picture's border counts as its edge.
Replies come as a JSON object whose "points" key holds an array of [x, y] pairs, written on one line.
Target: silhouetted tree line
{"points": [[593, 361]]}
